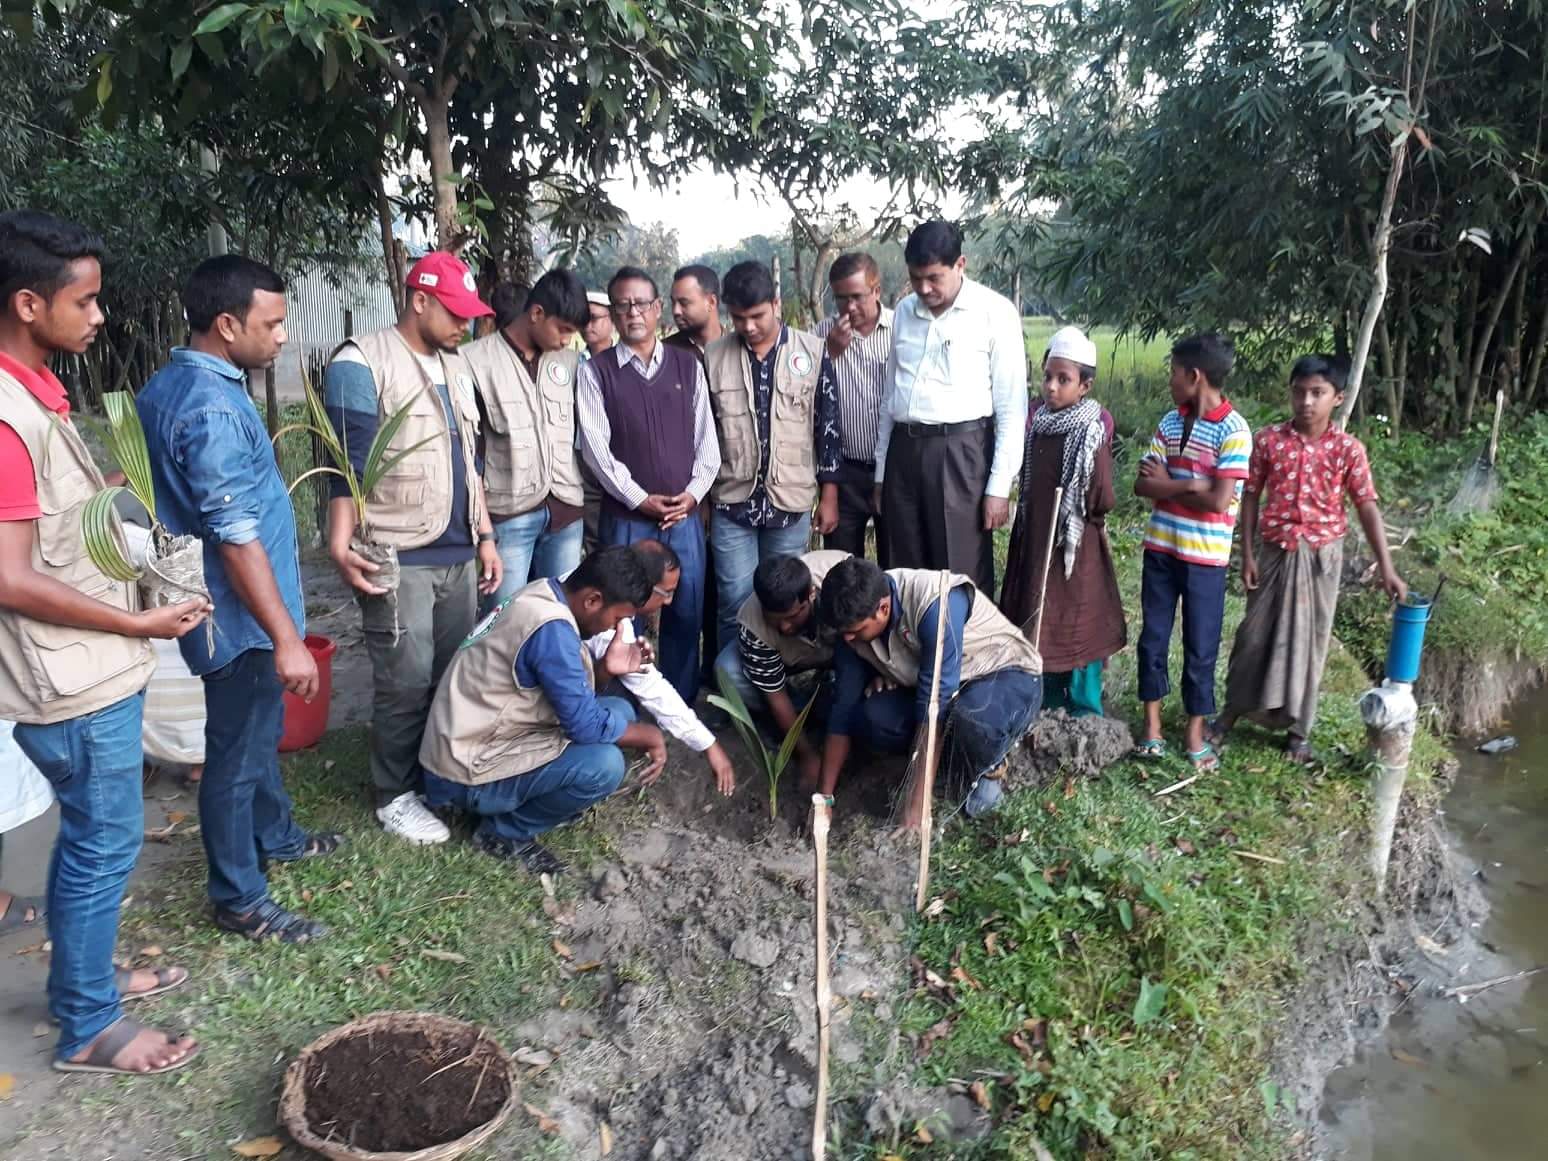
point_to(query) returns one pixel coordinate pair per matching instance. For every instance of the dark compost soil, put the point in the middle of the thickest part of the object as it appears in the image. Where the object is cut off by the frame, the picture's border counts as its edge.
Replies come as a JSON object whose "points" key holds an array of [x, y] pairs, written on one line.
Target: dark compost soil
{"points": [[399, 1091]]}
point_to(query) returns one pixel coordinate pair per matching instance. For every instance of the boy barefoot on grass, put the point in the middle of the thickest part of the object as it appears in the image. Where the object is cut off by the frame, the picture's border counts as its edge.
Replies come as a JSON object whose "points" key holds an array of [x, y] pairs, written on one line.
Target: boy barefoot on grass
{"points": [[1193, 476], [1308, 468]]}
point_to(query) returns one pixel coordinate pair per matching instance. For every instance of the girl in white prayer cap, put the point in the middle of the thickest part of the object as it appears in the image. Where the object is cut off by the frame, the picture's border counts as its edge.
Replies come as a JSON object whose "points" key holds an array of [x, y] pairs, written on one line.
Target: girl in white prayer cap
{"points": [[1069, 446]]}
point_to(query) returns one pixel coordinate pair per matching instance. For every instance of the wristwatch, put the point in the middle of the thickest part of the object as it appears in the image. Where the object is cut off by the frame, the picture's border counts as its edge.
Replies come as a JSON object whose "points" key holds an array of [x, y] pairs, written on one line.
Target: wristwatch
{"points": [[485, 537]]}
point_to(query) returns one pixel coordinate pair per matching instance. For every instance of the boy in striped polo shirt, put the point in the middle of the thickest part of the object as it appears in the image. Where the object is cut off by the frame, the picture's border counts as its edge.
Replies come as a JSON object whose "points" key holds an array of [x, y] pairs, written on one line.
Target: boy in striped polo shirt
{"points": [[1192, 474]]}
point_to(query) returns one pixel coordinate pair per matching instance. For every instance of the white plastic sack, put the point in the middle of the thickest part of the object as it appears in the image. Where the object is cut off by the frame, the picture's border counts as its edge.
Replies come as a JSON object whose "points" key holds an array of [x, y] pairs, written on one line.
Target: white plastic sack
{"points": [[24, 792]]}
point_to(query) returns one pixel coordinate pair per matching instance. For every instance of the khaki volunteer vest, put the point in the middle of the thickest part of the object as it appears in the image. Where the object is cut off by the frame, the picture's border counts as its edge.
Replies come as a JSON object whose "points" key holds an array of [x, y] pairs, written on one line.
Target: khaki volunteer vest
{"points": [[529, 449], [49, 673], [792, 479], [411, 505], [483, 726], [990, 642], [796, 652]]}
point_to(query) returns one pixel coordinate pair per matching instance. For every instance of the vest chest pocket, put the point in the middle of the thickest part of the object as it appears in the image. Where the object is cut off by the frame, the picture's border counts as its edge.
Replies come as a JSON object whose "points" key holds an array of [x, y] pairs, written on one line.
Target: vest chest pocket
{"points": [[59, 530], [400, 498], [64, 662]]}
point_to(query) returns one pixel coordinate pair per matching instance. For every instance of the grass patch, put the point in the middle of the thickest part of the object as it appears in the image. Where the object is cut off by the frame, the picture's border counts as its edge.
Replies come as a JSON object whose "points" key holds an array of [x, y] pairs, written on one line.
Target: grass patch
{"points": [[389, 905]]}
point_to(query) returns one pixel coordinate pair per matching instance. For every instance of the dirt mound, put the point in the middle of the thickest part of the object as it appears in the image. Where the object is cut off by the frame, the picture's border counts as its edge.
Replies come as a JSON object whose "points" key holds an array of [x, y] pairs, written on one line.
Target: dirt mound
{"points": [[1062, 744]]}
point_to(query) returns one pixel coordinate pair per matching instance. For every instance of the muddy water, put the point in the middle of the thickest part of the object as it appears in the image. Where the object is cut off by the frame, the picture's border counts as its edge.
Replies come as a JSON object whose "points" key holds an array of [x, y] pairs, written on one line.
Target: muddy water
{"points": [[1459, 1082]]}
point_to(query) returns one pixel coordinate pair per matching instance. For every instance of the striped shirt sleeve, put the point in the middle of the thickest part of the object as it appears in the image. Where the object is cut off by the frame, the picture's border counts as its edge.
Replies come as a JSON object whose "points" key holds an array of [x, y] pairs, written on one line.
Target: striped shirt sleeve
{"points": [[764, 667], [1235, 454]]}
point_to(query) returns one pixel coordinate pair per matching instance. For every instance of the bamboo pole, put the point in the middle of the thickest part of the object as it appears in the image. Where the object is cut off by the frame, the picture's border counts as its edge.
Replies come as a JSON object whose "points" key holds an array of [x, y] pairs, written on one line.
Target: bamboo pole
{"points": [[931, 757], [1042, 581], [820, 820]]}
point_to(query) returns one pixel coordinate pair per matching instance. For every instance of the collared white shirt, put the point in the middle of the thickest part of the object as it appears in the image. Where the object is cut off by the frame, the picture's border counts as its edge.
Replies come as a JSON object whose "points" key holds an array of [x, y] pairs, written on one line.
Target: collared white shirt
{"points": [[968, 363]]}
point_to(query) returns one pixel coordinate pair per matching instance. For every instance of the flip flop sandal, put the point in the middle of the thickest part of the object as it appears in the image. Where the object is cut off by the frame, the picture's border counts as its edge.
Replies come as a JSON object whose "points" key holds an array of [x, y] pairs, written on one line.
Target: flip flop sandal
{"points": [[167, 978], [1301, 753], [1204, 759], [111, 1043], [15, 917], [1150, 750]]}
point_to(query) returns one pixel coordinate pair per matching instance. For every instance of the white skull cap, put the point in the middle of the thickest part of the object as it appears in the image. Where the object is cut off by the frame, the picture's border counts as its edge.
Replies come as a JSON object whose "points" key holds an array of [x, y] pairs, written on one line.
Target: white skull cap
{"points": [[1071, 343]]}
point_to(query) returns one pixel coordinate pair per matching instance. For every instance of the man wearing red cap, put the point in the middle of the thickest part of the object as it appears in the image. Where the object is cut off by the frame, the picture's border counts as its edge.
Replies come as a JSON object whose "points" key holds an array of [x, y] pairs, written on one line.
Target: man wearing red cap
{"points": [[429, 506]]}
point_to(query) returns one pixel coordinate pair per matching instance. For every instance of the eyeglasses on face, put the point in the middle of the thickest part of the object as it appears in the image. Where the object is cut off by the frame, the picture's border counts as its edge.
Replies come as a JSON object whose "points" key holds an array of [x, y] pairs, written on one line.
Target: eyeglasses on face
{"points": [[634, 306]]}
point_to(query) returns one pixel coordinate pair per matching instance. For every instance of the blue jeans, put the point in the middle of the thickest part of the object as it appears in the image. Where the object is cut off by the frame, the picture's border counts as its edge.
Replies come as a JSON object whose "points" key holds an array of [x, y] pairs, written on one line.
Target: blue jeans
{"points": [[682, 621], [244, 812], [738, 552], [1201, 588], [986, 718], [520, 809], [93, 762], [528, 550]]}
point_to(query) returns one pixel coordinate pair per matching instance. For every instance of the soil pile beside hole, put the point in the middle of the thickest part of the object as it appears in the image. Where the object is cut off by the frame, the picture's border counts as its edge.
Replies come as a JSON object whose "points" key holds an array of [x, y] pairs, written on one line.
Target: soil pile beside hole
{"points": [[403, 1090], [1062, 744]]}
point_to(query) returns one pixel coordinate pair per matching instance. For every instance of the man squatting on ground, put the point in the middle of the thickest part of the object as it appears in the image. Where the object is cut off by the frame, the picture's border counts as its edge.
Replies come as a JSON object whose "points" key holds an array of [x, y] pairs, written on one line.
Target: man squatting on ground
{"points": [[783, 654], [517, 734], [73, 659], [990, 680], [430, 507]]}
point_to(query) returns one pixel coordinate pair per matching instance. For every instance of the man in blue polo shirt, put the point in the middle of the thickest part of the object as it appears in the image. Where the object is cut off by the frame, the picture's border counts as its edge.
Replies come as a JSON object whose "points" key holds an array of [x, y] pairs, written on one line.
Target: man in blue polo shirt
{"points": [[216, 478]]}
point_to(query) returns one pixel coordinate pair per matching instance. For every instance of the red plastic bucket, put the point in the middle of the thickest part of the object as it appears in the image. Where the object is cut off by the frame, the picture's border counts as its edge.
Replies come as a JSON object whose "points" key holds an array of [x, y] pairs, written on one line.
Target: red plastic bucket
{"points": [[305, 724]]}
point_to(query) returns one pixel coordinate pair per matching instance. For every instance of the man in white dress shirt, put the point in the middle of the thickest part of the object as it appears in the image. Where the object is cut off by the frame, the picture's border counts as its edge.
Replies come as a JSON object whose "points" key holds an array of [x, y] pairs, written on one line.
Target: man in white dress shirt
{"points": [[954, 417], [646, 684]]}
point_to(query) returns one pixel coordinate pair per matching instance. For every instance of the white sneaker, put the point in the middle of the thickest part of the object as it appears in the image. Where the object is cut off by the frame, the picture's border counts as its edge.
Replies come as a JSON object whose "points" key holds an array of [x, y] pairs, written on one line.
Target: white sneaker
{"points": [[408, 818]]}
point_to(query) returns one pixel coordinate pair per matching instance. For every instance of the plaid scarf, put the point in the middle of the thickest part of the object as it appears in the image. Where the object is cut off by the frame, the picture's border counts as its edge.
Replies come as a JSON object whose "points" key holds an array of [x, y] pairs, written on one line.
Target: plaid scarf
{"points": [[1081, 424]]}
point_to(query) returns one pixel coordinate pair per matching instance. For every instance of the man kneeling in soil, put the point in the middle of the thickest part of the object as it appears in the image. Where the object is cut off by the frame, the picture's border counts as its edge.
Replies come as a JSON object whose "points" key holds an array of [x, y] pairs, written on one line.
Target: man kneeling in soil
{"points": [[517, 734], [779, 638], [990, 681]]}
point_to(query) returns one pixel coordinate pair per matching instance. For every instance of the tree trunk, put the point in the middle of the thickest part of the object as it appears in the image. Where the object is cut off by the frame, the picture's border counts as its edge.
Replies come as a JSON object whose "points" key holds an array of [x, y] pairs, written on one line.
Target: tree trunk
{"points": [[1381, 245], [1496, 308], [391, 255], [821, 261], [436, 109], [1388, 365], [1539, 349], [1469, 326]]}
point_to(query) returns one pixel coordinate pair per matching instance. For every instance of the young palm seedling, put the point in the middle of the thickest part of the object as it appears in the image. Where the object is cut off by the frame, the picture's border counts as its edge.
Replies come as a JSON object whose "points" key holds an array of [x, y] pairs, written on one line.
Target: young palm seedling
{"points": [[173, 570], [773, 763], [378, 463]]}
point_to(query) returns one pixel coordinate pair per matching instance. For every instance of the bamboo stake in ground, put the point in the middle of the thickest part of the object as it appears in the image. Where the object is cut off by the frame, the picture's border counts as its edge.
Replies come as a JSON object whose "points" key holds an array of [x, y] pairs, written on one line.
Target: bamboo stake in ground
{"points": [[930, 756], [1042, 581], [820, 817]]}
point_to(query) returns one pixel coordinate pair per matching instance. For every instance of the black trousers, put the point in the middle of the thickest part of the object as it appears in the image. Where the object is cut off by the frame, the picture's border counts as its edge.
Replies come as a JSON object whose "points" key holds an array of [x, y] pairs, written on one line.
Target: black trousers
{"points": [[933, 499], [857, 480]]}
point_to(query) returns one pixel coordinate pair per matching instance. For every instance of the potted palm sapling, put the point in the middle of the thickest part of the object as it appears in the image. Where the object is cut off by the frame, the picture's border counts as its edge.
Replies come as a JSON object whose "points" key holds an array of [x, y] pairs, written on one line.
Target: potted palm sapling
{"points": [[775, 762], [378, 462], [173, 570]]}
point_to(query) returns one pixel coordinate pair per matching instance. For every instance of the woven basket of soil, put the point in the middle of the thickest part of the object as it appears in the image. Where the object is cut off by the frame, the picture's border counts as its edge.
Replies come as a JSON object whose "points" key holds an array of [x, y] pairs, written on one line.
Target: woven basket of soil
{"points": [[398, 1086]]}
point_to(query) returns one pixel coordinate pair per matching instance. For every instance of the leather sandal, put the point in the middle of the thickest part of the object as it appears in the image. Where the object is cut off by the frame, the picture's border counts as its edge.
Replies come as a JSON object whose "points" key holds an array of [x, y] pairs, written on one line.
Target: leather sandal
{"points": [[269, 920], [16, 915], [167, 978], [111, 1042]]}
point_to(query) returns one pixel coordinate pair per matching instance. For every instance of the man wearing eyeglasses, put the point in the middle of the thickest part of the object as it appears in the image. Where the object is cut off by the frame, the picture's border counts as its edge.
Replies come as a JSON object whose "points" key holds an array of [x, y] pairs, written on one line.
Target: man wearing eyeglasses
{"points": [[648, 436]]}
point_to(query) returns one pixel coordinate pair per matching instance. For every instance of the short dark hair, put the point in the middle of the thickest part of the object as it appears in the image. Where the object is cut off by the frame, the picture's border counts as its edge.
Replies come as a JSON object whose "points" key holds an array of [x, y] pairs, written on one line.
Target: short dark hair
{"points": [[562, 295], [1209, 353], [852, 263], [617, 572], [850, 592], [781, 583], [936, 242], [1333, 368], [225, 284], [658, 558], [632, 274], [748, 284], [36, 250], [708, 280], [508, 301]]}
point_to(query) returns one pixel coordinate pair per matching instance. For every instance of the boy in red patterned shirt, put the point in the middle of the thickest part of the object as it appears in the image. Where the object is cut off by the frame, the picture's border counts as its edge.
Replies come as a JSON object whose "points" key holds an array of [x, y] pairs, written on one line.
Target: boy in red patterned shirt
{"points": [[1307, 467]]}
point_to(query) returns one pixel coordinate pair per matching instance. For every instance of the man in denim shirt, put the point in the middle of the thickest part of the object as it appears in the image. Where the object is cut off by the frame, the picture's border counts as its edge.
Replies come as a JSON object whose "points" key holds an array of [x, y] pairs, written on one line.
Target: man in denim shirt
{"points": [[216, 478]]}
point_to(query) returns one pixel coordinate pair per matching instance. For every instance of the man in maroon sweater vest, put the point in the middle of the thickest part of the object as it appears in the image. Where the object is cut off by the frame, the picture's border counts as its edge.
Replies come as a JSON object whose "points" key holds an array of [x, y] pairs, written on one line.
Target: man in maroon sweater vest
{"points": [[648, 436]]}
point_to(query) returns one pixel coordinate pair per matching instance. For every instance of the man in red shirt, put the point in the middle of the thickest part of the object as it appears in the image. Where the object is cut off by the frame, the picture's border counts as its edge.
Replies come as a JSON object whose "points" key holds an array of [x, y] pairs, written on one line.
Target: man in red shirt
{"points": [[73, 661], [1308, 468]]}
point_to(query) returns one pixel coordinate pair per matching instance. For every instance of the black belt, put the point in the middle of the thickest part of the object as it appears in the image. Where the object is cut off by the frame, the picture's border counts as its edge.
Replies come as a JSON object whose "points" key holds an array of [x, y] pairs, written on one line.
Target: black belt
{"points": [[920, 430]]}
